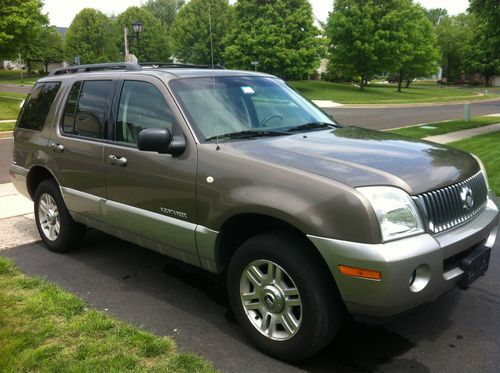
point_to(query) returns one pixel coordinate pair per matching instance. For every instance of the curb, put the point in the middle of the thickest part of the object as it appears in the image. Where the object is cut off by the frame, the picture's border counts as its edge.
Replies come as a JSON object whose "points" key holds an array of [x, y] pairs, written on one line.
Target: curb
{"points": [[6, 134]]}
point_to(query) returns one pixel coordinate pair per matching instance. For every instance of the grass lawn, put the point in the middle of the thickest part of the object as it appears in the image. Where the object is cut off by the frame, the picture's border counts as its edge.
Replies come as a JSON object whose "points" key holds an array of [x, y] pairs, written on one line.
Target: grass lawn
{"points": [[46, 329], [347, 93], [14, 77], [9, 106], [9, 126], [485, 147], [445, 127]]}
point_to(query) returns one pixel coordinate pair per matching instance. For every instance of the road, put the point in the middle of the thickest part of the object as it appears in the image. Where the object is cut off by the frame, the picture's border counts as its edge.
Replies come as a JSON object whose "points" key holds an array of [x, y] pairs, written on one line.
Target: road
{"points": [[458, 332], [385, 118], [15, 88]]}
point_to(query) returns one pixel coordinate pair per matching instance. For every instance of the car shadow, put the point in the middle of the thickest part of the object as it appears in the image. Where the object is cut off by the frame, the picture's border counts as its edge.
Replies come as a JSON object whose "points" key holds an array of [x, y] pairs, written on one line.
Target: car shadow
{"points": [[167, 297]]}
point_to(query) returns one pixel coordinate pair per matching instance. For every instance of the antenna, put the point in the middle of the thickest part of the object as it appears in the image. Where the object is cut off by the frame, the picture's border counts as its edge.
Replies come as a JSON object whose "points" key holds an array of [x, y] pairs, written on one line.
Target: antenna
{"points": [[213, 70], [211, 40]]}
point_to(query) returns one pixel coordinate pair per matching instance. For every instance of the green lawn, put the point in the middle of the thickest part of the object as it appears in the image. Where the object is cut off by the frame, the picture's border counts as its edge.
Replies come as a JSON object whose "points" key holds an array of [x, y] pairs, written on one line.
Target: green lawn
{"points": [[14, 77], [9, 126], [46, 329], [347, 93], [445, 127], [487, 148], [9, 107]]}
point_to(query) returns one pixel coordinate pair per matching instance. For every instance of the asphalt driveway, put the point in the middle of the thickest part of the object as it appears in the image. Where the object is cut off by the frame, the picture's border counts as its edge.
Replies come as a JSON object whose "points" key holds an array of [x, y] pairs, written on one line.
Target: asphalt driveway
{"points": [[458, 332]]}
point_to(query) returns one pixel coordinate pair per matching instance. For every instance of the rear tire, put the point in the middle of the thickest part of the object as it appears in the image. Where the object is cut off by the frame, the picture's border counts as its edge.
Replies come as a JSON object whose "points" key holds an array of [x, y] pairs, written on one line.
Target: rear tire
{"points": [[290, 310], [56, 227]]}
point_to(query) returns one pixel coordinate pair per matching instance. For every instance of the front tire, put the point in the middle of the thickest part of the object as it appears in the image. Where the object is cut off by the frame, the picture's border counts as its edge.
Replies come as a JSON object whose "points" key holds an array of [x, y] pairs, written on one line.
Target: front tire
{"points": [[58, 230], [282, 297]]}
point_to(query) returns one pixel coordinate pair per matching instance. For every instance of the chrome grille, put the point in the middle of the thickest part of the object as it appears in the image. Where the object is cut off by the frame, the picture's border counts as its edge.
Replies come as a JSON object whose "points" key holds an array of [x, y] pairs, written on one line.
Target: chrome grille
{"points": [[447, 207]]}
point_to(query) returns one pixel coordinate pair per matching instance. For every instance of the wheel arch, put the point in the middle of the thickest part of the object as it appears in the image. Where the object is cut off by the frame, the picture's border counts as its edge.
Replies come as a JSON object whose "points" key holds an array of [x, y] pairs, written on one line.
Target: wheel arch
{"points": [[239, 228], [35, 176]]}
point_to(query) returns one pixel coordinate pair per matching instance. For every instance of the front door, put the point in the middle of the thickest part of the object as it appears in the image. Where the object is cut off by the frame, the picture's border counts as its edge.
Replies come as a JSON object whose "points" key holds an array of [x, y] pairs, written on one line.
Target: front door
{"points": [[151, 196]]}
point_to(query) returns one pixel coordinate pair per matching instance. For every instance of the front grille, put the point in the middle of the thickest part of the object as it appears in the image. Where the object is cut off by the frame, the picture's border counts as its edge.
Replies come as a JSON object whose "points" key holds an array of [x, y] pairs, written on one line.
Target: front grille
{"points": [[450, 206]]}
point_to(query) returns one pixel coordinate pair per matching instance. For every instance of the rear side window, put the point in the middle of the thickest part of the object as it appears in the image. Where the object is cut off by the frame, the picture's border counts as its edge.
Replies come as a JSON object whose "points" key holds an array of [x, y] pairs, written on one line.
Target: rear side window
{"points": [[86, 110], [37, 106]]}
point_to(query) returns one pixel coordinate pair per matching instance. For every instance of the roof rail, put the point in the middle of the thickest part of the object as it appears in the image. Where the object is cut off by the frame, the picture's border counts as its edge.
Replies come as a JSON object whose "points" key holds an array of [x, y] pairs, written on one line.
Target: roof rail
{"points": [[127, 66], [179, 65]]}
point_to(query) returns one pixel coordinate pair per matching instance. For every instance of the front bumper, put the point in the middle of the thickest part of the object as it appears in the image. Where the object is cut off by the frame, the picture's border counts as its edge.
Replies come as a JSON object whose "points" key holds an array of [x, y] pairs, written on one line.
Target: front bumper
{"points": [[397, 260]]}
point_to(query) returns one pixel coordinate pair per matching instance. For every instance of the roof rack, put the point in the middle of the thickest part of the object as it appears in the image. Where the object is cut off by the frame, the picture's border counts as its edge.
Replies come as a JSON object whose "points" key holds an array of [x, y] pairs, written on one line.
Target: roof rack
{"points": [[127, 66], [171, 65]]}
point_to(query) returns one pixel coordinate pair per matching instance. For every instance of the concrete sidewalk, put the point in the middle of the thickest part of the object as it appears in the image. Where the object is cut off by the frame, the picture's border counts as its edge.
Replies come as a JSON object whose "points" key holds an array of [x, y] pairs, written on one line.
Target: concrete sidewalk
{"points": [[461, 135], [17, 221]]}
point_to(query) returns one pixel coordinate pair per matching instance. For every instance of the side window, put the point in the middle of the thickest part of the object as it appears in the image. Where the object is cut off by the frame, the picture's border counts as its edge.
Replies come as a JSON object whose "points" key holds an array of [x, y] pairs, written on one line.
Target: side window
{"points": [[141, 106], [85, 113], [37, 106], [70, 109]]}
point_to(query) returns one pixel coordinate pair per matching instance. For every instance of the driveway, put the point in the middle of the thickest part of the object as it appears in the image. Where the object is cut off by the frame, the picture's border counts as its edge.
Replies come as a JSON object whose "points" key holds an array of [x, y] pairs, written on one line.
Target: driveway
{"points": [[458, 332]]}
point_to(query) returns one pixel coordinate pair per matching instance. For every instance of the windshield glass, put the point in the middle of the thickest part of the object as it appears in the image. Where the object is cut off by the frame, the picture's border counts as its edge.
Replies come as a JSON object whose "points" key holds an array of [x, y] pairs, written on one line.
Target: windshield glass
{"points": [[224, 105]]}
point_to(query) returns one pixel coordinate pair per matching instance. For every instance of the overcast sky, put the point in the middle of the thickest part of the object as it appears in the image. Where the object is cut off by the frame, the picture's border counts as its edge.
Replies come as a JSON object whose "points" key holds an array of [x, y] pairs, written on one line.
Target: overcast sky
{"points": [[63, 15]]}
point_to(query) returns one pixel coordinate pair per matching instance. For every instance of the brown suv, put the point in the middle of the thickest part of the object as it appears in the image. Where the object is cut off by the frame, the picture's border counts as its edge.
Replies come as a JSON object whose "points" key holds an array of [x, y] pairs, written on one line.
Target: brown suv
{"points": [[236, 173]]}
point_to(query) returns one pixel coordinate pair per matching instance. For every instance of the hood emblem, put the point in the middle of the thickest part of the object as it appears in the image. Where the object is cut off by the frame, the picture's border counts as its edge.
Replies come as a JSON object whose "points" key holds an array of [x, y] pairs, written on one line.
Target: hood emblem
{"points": [[467, 198]]}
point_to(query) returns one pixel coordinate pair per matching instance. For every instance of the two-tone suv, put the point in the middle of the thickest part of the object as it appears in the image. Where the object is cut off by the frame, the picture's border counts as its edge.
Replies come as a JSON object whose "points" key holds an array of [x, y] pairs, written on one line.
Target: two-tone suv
{"points": [[236, 173]]}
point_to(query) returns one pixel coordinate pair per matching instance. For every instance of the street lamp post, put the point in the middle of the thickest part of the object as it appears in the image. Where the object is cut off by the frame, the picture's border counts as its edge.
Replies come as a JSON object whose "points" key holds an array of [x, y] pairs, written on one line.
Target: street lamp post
{"points": [[137, 27]]}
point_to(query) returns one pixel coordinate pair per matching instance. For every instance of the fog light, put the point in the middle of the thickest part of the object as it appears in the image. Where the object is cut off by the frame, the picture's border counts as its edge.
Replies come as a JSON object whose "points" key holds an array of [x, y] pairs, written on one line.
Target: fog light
{"points": [[419, 278]]}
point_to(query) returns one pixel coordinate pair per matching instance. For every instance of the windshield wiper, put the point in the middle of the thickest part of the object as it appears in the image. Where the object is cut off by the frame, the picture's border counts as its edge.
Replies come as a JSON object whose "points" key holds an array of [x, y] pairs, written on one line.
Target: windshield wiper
{"points": [[312, 126], [246, 134]]}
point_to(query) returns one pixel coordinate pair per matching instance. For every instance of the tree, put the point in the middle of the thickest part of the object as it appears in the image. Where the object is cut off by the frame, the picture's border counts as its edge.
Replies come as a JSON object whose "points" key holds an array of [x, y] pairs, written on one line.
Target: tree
{"points": [[483, 53], [93, 37], [153, 43], [164, 10], [418, 54], [47, 48], [21, 22], [191, 31], [373, 36], [436, 15], [454, 34], [365, 36], [51, 45], [279, 34]]}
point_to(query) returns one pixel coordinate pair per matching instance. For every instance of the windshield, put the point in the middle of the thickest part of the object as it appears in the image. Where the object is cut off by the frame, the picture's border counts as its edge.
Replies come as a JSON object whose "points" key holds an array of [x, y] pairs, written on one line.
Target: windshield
{"points": [[228, 105]]}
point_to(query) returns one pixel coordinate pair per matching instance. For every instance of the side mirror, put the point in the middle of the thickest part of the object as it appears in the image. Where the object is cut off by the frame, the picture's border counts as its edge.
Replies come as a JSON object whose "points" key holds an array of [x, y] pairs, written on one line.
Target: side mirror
{"points": [[160, 140]]}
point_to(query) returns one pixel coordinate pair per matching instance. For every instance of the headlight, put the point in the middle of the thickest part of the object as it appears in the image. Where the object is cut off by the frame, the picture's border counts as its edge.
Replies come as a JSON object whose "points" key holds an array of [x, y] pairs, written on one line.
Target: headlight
{"points": [[483, 170], [396, 212]]}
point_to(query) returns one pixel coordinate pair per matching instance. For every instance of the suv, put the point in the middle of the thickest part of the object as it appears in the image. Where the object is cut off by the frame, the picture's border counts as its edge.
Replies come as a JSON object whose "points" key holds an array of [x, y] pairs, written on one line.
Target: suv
{"points": [[236, 173]]}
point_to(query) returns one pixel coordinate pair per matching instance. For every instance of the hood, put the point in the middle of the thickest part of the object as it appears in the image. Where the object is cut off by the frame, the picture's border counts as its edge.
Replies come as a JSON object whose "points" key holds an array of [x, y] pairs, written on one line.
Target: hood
{"points": [[360, 157]]}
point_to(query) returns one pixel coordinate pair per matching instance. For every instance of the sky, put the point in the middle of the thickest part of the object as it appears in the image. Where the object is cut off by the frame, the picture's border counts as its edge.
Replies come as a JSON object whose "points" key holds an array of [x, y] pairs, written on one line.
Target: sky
{"points": [[63, 15]]}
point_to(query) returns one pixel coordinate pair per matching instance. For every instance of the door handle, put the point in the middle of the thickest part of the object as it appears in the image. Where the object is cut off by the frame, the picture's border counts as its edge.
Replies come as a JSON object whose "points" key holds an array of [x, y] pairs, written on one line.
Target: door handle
{"points": [[117, 161], [56, 147]]}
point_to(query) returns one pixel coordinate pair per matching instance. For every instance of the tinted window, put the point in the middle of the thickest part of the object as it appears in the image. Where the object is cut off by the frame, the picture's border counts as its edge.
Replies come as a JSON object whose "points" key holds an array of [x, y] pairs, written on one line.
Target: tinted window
{"points": [[141, 106], [86, 110], [37, 106]]}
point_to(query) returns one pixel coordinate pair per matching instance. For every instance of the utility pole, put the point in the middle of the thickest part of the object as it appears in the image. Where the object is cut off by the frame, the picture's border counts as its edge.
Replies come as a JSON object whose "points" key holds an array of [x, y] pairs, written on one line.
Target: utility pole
{"points": [[21, 64], [125, 36]]}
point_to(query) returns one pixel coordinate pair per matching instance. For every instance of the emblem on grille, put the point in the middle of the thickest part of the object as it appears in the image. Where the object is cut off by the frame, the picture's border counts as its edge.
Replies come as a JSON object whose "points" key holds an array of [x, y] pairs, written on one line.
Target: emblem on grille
{"points": [[467, 198]]}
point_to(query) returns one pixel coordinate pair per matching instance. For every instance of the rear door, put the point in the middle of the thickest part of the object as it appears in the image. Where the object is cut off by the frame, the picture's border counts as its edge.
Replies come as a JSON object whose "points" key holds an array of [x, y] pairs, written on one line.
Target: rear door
{"points": [[78, 143], [150, 194]]}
